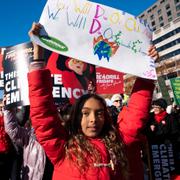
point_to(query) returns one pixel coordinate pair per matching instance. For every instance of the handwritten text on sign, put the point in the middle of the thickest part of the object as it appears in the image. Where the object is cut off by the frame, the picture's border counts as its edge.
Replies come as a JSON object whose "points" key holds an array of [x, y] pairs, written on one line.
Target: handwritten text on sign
{"points": [[97, 34]]}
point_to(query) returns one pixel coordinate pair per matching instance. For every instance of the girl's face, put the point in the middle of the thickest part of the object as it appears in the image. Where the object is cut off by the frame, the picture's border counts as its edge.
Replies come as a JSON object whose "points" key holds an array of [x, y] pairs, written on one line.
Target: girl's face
{"points": [[92, 118], [76, 65]]}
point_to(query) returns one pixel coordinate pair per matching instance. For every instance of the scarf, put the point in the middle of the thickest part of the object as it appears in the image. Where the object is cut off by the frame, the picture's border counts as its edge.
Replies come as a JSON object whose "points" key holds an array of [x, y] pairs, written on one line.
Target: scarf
{"points": [[159, 117]]}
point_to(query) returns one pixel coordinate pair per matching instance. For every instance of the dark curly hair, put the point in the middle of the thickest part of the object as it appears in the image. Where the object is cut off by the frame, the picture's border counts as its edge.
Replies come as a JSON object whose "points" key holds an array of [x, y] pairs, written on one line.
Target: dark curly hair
{"points": [[82, 152]]}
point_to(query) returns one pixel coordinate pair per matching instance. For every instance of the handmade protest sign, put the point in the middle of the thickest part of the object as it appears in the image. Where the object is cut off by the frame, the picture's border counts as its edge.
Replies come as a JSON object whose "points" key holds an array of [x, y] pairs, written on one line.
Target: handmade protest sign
{"points": [[97, 34]]}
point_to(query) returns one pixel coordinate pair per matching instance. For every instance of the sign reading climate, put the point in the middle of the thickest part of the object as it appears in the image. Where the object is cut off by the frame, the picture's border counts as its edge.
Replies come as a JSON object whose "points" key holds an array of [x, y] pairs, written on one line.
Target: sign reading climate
{"points": [[15, 64]]}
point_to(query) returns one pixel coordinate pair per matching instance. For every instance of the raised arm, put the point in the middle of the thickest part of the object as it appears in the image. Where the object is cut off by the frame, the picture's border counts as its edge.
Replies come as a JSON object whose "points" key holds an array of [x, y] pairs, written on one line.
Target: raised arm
{"points": [[44, 115], [19, 135], [133, 118]]}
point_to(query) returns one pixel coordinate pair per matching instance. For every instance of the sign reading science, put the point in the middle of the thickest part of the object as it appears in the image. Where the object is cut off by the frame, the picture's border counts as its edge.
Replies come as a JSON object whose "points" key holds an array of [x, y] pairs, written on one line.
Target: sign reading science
{"points": [[97, 34], [108, 81]]}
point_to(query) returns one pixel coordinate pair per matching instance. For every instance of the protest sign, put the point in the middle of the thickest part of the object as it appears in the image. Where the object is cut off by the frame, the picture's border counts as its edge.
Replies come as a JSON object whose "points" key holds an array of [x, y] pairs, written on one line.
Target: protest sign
{"points": [[15, 64], [175, 84], [164, 90], [70, 77], [162, 161], [109, 81], [97, 34]]}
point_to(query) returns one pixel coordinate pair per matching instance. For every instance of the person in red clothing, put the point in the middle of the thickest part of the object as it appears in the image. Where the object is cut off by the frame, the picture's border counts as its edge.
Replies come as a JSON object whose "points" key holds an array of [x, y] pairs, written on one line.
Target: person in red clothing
{"points": [[162, 130], [92, 148], [161, 126]]}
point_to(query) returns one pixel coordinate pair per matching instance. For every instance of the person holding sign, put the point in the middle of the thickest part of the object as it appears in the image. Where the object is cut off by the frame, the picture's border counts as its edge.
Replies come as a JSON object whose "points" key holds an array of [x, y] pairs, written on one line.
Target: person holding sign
{"points": [[7, 150], [35, 164], [92, 148], [162, 131]]}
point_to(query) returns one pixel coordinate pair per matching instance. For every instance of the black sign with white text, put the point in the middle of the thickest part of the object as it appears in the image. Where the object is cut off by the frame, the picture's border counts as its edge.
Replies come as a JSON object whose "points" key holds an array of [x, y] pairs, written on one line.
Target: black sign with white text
{"points": [[162, 161]]}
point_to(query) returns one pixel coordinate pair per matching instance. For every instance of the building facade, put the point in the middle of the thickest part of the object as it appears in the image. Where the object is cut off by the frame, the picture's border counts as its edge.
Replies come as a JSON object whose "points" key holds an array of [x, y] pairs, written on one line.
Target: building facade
{"points": [[161, 13], [164, 19]]}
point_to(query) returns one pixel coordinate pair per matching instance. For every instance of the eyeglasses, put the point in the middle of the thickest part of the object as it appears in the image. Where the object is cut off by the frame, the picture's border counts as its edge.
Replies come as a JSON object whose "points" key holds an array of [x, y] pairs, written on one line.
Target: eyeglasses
{"points": [[157, 107], [118, 101]]}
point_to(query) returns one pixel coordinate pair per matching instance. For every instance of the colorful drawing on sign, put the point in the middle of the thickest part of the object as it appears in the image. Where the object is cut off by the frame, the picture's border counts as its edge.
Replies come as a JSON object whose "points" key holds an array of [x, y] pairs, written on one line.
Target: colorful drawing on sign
{"points": [[133, 45], [97, 34], [104, 48], [109, 33]]}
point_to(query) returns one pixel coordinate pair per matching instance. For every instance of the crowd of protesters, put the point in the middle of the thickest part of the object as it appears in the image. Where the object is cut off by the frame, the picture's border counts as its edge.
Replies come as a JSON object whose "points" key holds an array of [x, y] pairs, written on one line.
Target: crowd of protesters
{"points": [[92, 139]]}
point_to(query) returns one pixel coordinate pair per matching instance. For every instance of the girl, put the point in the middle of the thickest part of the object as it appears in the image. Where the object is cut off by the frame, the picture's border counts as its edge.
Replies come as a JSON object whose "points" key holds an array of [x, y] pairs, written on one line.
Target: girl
{"points": [[92, 149]]}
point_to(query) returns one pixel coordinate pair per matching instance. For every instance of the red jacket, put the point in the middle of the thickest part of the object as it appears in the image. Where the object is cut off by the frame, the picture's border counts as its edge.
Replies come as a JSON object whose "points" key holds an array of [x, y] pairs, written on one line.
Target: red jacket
{"points": [[52, 136], [5, 142]]}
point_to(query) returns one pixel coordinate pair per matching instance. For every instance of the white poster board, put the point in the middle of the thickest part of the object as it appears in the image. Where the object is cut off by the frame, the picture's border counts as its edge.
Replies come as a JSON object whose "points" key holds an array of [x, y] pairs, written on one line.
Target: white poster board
{"points": [[97, 34]]}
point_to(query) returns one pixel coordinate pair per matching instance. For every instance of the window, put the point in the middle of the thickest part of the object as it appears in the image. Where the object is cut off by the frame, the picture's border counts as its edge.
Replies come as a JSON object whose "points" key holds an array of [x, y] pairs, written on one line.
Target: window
{"points": [[169, 13], [169, 34], [168, 45], [167, 6], [178, 7], [159, 11], [152, 17], [176, 1], [169, 55], [154, 7], [178, 14], [160, 18], [153, 23], [162, 24], [162, 1], [149, 11], [170, 19], [154, 29]]}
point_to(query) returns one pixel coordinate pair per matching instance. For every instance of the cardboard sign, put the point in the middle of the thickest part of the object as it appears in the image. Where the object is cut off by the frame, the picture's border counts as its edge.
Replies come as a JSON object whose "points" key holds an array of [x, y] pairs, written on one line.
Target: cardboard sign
{"points": [[98, 35]]}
